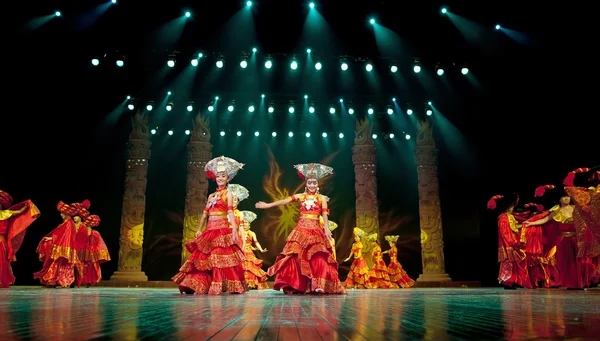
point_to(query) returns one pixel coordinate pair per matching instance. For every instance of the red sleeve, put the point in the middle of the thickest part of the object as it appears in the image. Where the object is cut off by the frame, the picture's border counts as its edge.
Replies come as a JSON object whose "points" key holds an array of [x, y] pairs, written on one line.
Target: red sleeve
{"points": [[504, 232]]}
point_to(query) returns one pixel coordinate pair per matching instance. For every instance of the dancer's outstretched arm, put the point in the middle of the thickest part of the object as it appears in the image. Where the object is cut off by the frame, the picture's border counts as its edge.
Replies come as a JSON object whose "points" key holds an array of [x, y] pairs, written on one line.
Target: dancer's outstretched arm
{"points": [[263, 205], [258, 247]]}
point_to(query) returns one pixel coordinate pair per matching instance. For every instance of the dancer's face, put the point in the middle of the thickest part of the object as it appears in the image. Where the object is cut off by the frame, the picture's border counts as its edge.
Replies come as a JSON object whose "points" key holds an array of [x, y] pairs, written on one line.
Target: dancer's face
{"points": [[510, 209], [565, 200], [356, 238], [77, 219], [312, 185], [246, 227], [64, 216], [222, 179]]}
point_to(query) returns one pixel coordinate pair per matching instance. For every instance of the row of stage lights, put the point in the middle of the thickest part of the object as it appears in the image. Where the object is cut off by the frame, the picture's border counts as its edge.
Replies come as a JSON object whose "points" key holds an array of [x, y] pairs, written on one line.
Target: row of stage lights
{"points": [[271, 108], [294, 63], [274, 134]]}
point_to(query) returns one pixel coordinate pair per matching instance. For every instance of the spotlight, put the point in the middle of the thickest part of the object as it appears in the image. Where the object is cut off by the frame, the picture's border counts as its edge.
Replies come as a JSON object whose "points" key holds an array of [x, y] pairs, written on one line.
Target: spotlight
{"points": [[351, 111], [464, 70], [190, 106], [390, 111], [439, 70], [344, 66], [273, 134], [244, 63], [149, 106], [120, 62], [188, 14], [230, 108], [290, 134], [256, 133], [170, 106], [394, 99], [271, 110], [254, 49], [222, 133], [372, 21], [262, 96], [57, 13], [200, 55], [409, 112], [444, 10], [324, 134], [392, 135], [407, 137], [220, 63], [216, 98], [332, 110], [374, 136], [130, 106], [294, 64], [498, 27], [169, 93], [95, 62], [249, 4], [393, 68], [239, 133], [341, 135], [251, 108], [170, 132], [311, 5], [171, 62], [311, 110], [291, 109], [308, 51], [305, 96], [211, 108], [416, 66], [269, 63], [153, 131], [341, 100], [187, 131], [369, 67], [428, 110], [370, 111], [307, 134], [318, 66], [194, 62], [113, 1]]}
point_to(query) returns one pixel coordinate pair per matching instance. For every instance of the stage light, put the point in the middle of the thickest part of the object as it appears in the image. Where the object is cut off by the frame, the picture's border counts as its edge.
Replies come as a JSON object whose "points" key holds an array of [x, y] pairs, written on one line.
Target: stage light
{"points": [[149, 107], [194, 62], [290, 134], [216, 98], [311, 110], [95, 62], [200, 55], [230, 108], [341, 135], [311, 5], [392, 135], [324, 134], [130, 106], [370, 111], [153, 131], [409, 112], [113, 1], [291, 110], [416, 66], [170, 132], [171, 63], [254, 49], [251, 108], [239, 133], [188, 14], [439, 70], [318, 66], [249, 4], [128, 97], [256, 133], [498, 27], [369, 67], [390, 111], [244, 63], [429, 103], [271, 110], [429, 112], [170, 106], [394, 99], [407, 137], [444, 10], [341, 100], [220, 64], [294, 65], [269, 63], [372, 21], [393, 68], [211, 108], [332, 110], [428, 109], [57, 13], [273, 134], [308, 51], [464, 70], [222, 133], [187, 131], [120, 62], [307, 134], [190, 107], [305, 96], [262, 96], [351, 111], [374, 136], [344, 66]]}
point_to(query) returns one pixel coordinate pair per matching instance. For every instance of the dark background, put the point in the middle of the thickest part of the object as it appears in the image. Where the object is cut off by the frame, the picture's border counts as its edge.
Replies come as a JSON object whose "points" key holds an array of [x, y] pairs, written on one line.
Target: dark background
{"points": [[517, 122]]}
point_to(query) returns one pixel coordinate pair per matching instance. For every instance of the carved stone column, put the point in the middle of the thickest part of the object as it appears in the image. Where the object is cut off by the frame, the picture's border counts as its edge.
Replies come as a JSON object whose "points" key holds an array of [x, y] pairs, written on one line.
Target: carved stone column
{"points": [[365, 173], [134, 203], [432, 241], [199, 153]]}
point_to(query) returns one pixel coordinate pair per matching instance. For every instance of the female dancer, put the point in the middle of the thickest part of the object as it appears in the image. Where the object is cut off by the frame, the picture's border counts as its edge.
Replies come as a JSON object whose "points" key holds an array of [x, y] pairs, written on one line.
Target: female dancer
{"points": [[398, 277], [358, 275], [306, 264], [14, 221], [332, 226], [378, 275], [215, 263], [511, 253], [240, 193], [96, 253], [256, 277]]}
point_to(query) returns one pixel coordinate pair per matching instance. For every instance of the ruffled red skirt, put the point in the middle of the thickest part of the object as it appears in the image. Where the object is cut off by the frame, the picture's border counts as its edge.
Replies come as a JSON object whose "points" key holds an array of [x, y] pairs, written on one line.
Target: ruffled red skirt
{"points": [[398, 277], [255, 276], [58, 256], [90, 273], [215, 263], [358, 275], [306, 264], [6, 275], [378, 276]]}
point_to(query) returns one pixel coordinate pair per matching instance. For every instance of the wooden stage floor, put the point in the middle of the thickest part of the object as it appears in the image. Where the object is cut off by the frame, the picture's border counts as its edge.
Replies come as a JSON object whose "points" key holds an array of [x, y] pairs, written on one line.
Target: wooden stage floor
{"points": [[34, 313]]}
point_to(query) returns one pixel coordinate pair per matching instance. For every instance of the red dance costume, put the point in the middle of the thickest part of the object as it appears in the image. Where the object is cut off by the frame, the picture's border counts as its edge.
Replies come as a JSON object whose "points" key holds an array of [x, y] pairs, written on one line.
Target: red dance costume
{"points": [[57, 252], [359, 270], [255, 276], [535, 257], [398, 277], [94, 254], [14, 221], [378, 275], [306, 262]]}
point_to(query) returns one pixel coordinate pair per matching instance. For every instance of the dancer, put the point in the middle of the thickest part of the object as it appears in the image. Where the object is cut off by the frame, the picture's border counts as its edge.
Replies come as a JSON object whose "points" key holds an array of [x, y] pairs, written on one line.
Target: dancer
{"points": [[96, 253], [534, 250], [255, 276], [14, 221], [332, 226], [306, 264], [240, 193], [511, 253], [358, 275], [81, 239], [398, 277], [378, 275], [56, 251], [215, 262]]}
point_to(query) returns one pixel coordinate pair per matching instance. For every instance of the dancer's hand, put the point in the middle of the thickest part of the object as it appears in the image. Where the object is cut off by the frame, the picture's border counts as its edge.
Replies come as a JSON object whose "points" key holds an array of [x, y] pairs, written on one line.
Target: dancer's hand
{"points": [[263, 250], [198, 233], [328, 234], [345, 260], [261, 204], [234, 236]]}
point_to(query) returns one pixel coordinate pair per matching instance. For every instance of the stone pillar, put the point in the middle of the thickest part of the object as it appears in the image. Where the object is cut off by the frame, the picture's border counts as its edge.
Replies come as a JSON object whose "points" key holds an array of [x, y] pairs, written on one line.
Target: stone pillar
{"points": [[199, 153], [134, 203], [365, 173], [430, 213]]}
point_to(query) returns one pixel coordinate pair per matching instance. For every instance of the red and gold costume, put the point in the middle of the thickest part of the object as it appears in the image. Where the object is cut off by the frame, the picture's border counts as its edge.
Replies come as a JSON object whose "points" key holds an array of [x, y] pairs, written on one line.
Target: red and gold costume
{"points": [[332, 226], [359, 270], [378, 275], [14, 221], [398, 277], [595, 205], [306, 263], [215, 263], [535, 257], [81, 238], [95, 254], [57, 252], [256, 277], [511, 253], [240, 193]]}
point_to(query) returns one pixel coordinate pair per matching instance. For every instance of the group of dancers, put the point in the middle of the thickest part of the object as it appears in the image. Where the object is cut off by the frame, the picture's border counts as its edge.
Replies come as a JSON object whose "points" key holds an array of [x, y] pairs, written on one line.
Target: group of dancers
{"points": [[70, 254], [222, 254], [556, 247]]}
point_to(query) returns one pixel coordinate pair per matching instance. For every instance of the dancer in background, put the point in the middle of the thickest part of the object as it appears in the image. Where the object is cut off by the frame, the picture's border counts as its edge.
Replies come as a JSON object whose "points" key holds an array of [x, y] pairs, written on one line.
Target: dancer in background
{"points": [[306, 264], [332, 226], [511, 251], [56, 251], [398, 277], [256, 277], [96, 253], [81, 239], [240, 193], [534, 250], [14, 221], [359, 270], [215, 262], [378, 275]]}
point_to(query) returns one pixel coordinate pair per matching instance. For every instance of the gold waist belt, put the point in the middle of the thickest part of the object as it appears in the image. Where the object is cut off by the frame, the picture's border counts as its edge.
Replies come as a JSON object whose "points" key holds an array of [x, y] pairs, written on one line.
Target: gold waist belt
{"points": [[216, 214], [309, 216], [568, 234]]}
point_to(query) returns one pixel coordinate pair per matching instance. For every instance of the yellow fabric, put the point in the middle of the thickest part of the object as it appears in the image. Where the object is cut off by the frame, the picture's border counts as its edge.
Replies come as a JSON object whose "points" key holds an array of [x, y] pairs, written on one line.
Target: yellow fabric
{"points": [[5, 214]]}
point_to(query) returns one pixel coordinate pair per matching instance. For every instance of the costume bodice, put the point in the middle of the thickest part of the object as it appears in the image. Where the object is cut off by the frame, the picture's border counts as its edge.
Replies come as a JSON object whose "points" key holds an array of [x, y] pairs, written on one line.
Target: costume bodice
{"points": [[217, 202], [560, 217], [310, 204]]}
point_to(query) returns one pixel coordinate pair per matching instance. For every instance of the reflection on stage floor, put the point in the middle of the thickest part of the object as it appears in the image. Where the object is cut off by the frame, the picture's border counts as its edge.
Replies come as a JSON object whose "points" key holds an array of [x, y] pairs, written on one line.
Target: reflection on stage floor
{"points": [[28, 313]]}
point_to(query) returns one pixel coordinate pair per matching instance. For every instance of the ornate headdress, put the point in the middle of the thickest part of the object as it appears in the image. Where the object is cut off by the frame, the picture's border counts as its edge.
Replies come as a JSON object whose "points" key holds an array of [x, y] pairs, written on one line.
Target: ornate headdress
{"points": [[83, 209], [391, 239], [248, 216], [238, 191], [502, 202], [92, 221], [222, 164], [332, 226], [372, 237], [358, 232], [70, 210], [313, 171], [5, 200]]}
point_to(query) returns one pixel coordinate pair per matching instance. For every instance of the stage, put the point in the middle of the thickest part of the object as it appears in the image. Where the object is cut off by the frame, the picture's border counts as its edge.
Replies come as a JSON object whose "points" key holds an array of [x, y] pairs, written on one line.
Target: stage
{"points": [[35, 313]]}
